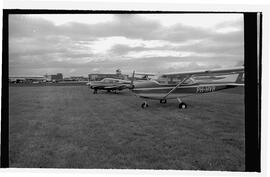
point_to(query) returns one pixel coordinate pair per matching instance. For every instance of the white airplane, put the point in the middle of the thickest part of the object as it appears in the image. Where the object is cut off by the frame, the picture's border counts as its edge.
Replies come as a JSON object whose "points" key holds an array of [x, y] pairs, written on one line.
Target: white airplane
{"points": [[153, 89], [109, 84]]}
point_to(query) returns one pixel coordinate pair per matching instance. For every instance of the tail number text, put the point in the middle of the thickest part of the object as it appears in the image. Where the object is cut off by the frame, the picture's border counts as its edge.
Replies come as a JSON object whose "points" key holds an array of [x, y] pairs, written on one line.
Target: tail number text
{"points": [[203, 89]]}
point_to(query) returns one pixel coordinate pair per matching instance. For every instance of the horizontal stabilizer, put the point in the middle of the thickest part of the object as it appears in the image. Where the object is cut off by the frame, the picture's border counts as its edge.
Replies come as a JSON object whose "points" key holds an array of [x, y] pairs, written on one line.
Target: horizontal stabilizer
{"points": [[236, 84]]}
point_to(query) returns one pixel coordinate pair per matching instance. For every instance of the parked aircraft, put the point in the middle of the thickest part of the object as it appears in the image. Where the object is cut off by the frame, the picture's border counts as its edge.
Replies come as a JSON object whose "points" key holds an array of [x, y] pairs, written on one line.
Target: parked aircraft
{"points": [[109, 84], [153, 89]]}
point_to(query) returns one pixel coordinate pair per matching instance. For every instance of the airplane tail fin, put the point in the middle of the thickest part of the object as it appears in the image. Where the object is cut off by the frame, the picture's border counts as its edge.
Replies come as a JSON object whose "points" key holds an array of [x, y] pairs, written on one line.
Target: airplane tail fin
{"points": [[132, 80], [240, 78]]}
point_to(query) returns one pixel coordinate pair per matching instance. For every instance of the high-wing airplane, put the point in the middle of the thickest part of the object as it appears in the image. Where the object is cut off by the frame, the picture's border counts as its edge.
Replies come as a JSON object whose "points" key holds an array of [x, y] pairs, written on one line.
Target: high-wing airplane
{"points": [[186, 85], [109, 84]]}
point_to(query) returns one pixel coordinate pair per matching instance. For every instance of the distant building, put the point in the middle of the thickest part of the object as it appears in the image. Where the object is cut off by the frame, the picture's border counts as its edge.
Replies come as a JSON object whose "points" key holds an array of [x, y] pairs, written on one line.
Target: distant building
{"points": [[75, 78], [25, 79], [54, 77]]}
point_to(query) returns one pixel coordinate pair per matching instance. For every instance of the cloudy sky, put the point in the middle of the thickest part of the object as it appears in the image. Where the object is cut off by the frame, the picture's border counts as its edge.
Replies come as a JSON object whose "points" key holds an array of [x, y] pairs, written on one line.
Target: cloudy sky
{"points": [[101, 43]]}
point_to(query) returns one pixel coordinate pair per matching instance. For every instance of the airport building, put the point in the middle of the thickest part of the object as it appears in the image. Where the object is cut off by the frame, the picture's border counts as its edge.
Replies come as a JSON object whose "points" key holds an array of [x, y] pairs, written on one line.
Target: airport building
{"points": [[25, 79], [36, 79], [54, 77], [78, 78], [75, 78]]}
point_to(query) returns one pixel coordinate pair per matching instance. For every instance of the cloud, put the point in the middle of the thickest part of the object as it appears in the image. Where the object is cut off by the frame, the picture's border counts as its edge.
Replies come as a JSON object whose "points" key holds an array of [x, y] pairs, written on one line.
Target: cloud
{"points": [[120, 49], [130, 26], [237, 25], [25, 26], [181, 32], [128, 42]]}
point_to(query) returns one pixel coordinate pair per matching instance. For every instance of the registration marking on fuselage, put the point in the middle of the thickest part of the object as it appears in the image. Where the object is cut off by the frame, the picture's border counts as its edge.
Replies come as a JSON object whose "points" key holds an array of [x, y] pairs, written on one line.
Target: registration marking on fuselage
{"points": [[203, 89]]}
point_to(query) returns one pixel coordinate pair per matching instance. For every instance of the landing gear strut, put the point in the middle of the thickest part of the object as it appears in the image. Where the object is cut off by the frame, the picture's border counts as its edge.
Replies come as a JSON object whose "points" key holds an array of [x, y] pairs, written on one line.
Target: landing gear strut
{"points": [[144, 105], [95, 91], [182, 105]]}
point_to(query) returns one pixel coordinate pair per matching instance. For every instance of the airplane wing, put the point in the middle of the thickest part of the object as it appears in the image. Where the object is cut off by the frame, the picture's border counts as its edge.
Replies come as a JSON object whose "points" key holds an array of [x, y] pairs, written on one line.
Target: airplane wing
{"points": [[115, 87], [144, 74], [205, 72], [112, 87], [189, 74]]}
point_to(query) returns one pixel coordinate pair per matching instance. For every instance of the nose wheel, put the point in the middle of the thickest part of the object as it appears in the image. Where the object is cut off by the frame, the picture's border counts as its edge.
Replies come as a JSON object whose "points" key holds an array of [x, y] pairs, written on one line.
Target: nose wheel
{"points": [[163, 101], [182, 105], [144, 105]]}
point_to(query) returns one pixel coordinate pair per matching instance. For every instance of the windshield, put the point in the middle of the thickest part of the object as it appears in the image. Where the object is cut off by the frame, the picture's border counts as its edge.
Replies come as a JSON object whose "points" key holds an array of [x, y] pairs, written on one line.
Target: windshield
{"points": [[108, 80]]}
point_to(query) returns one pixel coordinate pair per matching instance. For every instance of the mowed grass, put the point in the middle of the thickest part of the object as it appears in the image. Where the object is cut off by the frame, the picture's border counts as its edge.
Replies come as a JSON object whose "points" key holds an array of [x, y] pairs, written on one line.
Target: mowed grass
{"points": [[69, 127]]}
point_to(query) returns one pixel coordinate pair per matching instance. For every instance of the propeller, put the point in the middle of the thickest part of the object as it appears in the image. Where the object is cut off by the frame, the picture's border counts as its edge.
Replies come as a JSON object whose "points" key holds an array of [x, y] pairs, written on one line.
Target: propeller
{"points": [[132, 80]]}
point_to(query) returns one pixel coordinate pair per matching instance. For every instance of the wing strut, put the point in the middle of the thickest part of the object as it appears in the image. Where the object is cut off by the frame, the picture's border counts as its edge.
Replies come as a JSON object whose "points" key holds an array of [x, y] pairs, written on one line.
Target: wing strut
{"points": [[179, 84]]}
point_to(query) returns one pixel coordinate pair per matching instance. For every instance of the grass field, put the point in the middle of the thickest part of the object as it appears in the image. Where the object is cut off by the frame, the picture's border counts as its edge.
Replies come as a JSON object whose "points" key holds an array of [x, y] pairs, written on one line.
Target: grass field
{"points": [[69, 127]]}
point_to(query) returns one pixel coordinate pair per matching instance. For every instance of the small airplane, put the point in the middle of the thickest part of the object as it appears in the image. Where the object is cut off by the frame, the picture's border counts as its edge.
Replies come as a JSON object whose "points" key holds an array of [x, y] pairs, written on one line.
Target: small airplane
{"points": [[109, 84], [187, 85]]}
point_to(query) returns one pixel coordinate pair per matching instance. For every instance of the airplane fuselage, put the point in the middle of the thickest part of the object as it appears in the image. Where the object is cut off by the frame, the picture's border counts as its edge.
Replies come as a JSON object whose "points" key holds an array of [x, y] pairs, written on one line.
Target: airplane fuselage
{"points": [[154, 90], [107, 86]]}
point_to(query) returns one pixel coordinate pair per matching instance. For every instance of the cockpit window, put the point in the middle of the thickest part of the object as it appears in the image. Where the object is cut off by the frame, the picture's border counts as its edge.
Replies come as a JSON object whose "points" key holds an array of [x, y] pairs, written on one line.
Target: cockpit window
{"points": [[189, 81], [108, 80], [175, 80]]}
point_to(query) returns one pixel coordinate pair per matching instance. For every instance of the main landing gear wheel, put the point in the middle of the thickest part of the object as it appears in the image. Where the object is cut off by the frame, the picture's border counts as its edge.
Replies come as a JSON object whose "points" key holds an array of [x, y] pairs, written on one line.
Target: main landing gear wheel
{"points": [[182, 106], [95, 91], [144, 105], [163, 101]]}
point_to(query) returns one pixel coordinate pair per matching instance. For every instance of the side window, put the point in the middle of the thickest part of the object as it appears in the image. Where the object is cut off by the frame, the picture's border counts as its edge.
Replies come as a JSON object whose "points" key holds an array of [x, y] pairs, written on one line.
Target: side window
{"points": [[189, 81], [106, 81]]}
